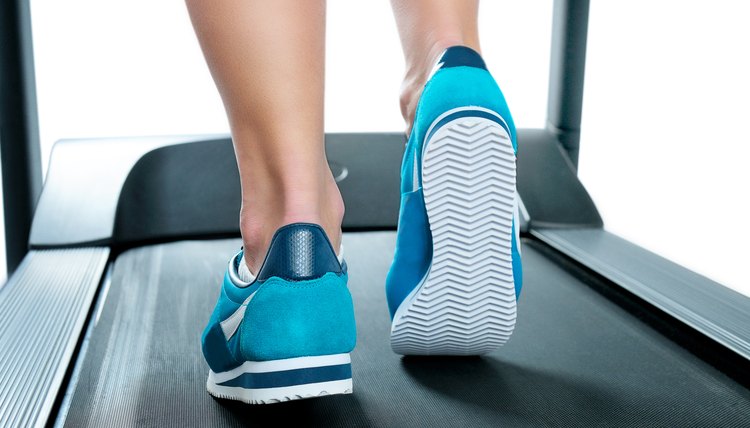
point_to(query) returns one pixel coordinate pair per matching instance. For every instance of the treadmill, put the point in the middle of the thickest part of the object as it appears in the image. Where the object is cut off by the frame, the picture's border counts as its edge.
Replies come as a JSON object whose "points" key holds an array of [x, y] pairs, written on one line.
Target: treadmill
{"points": [[116, 274]]}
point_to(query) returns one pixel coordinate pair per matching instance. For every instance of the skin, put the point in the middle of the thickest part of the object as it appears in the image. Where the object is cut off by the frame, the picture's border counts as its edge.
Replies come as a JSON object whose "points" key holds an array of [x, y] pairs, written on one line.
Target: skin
{"points": [[426, 28], [267, 61]]}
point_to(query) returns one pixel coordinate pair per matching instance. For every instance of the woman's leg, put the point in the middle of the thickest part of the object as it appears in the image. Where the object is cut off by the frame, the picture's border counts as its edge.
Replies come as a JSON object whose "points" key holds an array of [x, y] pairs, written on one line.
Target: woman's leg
{"points": [[267, 60], [427, 28]]}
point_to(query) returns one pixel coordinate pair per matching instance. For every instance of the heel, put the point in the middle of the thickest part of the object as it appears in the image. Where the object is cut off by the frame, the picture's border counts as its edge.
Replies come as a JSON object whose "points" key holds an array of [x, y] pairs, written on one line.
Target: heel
{"points": [[466, 304]]}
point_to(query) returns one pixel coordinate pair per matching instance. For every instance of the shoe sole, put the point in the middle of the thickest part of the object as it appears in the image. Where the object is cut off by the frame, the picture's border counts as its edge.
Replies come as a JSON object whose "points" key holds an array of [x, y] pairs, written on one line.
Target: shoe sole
{"points": [[276, 381], [466, 304]]}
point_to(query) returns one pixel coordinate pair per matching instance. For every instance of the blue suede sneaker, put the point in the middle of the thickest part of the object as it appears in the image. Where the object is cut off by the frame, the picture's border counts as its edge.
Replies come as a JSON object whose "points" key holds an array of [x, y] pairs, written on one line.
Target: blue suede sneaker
{"points": [[288, 333], [456, 273]]}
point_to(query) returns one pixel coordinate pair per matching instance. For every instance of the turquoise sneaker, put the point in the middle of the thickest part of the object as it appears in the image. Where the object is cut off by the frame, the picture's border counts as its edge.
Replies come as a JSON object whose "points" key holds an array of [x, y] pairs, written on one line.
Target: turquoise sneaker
{"points": [[287, 334], [456, 273]]}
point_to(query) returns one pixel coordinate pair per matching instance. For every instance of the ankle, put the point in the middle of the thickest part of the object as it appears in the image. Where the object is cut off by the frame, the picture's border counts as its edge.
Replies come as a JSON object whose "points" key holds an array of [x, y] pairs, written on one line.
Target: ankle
{"points": [[265, 212], [419, 68]]}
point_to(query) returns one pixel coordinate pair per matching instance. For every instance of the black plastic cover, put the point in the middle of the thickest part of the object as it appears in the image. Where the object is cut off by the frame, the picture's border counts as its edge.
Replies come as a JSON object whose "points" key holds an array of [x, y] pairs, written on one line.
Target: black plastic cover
{"points": [[548, 185], [192, 190]]}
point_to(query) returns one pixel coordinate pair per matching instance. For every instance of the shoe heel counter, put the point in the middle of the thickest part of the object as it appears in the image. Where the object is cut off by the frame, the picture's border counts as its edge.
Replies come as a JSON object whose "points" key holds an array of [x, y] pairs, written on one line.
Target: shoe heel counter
{"points": [[299, 252], [287, 319]]}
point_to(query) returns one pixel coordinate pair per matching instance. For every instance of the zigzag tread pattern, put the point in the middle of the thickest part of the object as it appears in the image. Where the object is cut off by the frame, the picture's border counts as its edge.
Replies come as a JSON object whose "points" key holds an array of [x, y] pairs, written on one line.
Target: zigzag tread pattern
{"points": [[467, 304]]}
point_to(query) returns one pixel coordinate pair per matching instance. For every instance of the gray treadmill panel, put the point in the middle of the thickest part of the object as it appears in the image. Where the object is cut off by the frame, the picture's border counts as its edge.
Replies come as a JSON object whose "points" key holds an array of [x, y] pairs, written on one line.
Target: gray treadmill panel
{"points": [[576, 358], [717, 311], [43, 309]]}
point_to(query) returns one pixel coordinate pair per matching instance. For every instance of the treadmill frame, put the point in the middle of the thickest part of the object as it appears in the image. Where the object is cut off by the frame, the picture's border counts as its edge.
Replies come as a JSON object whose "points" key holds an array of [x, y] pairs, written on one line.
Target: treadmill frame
{"points": [[557, 211], [19, 128]]}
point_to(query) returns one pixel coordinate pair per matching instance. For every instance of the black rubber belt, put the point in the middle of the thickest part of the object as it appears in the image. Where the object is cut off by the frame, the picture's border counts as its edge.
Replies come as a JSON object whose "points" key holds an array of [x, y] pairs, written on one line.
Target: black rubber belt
{"points": [[576, 359]]}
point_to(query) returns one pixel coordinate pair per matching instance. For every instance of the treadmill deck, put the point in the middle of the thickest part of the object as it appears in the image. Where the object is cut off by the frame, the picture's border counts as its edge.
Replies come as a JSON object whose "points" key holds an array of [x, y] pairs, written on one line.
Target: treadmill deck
{"points": [[575, 359]]}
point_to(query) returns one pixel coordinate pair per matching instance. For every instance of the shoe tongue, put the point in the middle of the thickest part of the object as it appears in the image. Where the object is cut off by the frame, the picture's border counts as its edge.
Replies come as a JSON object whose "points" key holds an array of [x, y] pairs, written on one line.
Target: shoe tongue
{"points": [[243, 271], [460, 56]]}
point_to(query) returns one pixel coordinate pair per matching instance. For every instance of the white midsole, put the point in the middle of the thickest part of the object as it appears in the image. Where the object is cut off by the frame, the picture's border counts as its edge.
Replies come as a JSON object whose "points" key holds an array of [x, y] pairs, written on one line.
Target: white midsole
{"points": [[279, 365]]}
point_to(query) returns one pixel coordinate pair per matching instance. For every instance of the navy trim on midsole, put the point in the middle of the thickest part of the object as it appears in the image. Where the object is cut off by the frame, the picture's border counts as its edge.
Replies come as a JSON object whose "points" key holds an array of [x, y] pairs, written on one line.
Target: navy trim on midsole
{"points": [[466, 113], [291, 377]]}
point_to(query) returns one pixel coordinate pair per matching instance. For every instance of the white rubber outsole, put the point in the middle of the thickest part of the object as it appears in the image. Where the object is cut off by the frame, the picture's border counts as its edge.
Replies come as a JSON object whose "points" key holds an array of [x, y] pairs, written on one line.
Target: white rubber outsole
{"points": [[466, 304], [280, 395], [284, 393]]}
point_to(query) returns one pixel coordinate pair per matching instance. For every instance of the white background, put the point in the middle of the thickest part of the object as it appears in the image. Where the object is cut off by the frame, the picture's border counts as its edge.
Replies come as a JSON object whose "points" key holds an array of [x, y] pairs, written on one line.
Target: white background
{"points": [[664, 143]]}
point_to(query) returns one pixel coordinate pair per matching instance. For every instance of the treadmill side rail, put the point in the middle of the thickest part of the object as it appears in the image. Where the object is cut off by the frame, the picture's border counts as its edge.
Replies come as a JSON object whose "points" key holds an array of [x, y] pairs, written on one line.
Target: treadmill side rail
{"points": [[712, 310], [43, 308]]}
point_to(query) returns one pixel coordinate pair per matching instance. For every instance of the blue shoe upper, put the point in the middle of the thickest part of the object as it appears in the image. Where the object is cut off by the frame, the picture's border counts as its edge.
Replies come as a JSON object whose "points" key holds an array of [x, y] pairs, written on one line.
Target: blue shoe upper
{"points": [[298, 305], [461, 79]]}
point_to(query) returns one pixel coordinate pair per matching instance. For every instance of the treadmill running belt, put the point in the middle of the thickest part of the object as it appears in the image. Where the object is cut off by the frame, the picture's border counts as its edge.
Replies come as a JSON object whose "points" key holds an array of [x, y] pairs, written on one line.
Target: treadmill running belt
{"points": [[576, 358]]}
